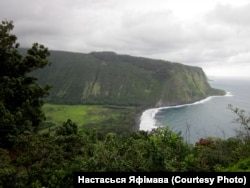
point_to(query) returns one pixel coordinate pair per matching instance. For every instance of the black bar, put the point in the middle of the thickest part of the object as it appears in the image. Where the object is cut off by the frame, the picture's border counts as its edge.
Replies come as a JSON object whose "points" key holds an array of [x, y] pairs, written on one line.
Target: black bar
{"points": [[161, 179]]}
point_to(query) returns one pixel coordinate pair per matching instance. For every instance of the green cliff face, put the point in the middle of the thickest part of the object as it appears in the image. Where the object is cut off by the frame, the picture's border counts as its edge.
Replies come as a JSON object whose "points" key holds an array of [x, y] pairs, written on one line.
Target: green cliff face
{"points": [[108, 78], [187, 84]]}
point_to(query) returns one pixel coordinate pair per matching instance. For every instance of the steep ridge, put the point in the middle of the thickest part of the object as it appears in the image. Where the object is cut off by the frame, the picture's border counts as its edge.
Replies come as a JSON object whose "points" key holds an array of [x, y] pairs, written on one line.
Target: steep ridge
{"points": [[109, 78]]}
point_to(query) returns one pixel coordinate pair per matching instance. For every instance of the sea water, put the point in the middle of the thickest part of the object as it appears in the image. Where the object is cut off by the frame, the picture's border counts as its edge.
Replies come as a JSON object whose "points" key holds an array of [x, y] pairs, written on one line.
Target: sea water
{"points": [[210, 117]]}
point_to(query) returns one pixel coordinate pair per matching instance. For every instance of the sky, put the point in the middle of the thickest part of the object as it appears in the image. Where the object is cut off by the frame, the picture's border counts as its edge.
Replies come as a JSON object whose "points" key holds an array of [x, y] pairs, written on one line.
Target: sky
{"points": [[211, 34]]}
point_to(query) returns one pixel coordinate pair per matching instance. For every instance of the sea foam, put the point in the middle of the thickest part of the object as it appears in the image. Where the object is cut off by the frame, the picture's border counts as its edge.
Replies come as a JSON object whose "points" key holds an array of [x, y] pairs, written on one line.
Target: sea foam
{"points": [[148, 121]]}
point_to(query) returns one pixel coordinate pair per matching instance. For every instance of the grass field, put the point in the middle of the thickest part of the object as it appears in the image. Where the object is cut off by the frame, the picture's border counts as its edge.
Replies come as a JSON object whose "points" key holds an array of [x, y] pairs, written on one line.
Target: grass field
{"points": [[87, 116]]}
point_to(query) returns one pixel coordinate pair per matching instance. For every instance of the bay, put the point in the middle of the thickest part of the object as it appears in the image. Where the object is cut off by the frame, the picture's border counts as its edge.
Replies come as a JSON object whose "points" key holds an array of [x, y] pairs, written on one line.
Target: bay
{"points": [[210, 117]]}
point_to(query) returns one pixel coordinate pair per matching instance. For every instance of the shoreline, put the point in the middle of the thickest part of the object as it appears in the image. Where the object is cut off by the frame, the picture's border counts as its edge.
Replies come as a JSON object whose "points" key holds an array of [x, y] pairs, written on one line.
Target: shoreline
{"points": [[147, 121]]}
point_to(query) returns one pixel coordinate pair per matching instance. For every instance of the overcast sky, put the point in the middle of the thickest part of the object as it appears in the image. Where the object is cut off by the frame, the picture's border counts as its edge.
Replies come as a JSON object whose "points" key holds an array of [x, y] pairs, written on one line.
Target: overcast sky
{"points": [[212, 34]]}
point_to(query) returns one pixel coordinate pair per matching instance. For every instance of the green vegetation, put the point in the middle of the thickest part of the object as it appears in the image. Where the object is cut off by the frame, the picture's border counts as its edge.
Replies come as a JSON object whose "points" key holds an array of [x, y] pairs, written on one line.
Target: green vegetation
{"points": [[81, 114], [116, 119], [106, 78], [31, 158], [20, 95], [42, 160]]}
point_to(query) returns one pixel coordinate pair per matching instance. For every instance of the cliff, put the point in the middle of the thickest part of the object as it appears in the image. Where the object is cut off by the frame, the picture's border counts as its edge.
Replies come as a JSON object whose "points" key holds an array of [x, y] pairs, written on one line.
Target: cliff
{"points": [[109, 78]]}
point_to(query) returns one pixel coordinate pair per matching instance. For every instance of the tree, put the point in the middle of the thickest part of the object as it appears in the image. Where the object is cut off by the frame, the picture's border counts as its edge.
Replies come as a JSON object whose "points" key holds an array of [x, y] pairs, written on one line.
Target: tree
{"points": [[67, 128], [244, 120], [21, 97]]}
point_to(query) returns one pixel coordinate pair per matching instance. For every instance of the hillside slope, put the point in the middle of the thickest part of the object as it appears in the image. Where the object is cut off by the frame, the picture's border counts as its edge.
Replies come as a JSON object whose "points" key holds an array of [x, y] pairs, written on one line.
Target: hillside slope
{"points": [[109, 78]]}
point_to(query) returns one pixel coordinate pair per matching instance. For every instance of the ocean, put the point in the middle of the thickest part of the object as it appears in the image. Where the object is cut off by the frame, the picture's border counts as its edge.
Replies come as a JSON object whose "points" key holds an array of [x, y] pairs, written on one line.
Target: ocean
{"points": [[210, 117]]}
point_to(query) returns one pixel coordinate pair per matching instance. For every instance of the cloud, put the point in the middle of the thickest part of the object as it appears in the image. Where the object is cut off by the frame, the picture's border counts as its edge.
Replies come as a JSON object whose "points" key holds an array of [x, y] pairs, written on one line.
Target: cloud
{"points": [[209, 34], [231, 15]]}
